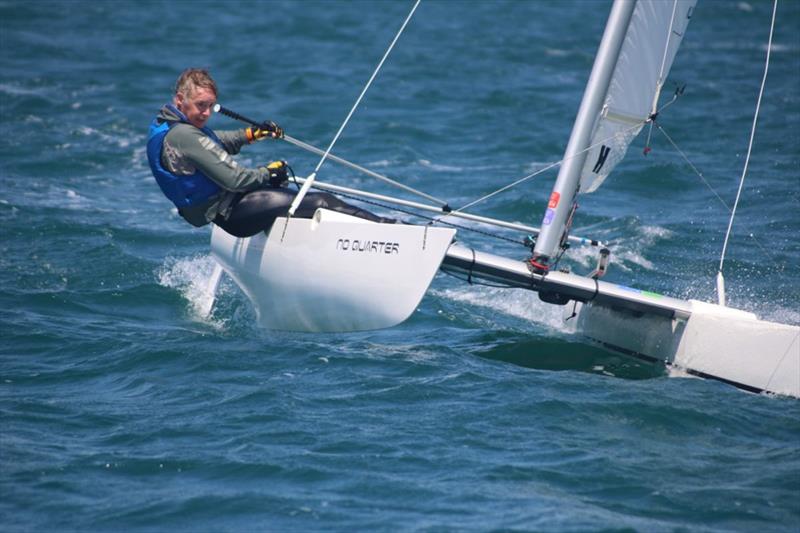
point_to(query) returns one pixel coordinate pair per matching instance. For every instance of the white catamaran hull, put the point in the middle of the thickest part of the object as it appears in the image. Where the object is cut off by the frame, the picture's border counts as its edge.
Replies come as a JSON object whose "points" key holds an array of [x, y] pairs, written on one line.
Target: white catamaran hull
{"points": [[703, 339], [713, 342], [333, 272]]}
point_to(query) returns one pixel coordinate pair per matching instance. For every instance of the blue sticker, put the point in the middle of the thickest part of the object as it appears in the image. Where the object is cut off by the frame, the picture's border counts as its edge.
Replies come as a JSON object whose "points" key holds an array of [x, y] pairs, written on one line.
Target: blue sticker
{"points": [[548, 216]]}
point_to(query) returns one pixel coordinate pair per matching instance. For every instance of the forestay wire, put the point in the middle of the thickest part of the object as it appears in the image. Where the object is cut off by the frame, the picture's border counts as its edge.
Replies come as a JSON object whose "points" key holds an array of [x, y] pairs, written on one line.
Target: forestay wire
{"points": [[310, 180]]}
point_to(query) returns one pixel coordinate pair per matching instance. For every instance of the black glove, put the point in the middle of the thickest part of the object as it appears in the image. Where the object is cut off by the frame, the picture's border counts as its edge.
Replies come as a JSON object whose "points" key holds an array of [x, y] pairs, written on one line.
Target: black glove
{"points": [[278, 173], [266, 129]]}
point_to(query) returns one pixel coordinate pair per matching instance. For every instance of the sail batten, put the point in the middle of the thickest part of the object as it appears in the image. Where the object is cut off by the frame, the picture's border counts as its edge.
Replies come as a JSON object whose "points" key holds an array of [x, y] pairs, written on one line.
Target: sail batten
{"points": [[654, 35]]}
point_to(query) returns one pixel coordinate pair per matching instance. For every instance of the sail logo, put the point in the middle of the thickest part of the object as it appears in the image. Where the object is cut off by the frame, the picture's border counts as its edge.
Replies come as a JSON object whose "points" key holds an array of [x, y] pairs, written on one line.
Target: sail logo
{"points": [[375, 247], [601, 158]]}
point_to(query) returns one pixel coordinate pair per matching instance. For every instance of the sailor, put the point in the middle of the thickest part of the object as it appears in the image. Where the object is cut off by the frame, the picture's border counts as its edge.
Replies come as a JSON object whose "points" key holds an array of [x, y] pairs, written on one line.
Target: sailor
{"points": [[194, 168]]}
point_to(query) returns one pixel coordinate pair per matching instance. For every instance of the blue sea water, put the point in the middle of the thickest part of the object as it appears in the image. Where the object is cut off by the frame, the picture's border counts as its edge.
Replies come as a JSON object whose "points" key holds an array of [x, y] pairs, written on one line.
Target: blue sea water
{"points": [[122, 408]]}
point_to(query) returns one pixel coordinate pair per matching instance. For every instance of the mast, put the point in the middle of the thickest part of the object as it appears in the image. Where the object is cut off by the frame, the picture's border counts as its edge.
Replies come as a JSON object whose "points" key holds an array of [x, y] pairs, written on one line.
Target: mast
{"points": [[565, 190]]}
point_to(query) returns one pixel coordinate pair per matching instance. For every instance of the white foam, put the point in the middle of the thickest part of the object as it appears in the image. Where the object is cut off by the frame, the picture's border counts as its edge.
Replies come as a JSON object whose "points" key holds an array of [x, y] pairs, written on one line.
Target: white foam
{"points": [[783, 315], [631, 256], [60, 197], [772, 311], [625, 252], [517, 303], [654, 233], [139, 158], [630, 250], [557, 52], [17, 90], [678, 372], [440, 167], [536, 166], [584, 256], [123, 140], [190, 276]]}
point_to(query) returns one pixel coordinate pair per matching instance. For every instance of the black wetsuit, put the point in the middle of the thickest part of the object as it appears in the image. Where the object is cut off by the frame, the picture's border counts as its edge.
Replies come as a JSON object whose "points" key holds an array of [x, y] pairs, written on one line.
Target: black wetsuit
{"points": [[257, 210]]}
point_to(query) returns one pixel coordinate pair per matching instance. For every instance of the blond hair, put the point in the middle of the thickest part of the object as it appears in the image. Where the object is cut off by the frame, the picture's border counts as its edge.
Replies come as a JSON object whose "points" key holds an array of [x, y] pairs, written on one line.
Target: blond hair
{"points": [[193, 78]]}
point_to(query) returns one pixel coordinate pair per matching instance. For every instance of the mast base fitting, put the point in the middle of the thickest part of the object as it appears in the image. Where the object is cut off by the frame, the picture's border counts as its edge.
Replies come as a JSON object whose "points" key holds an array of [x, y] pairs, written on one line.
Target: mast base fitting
{"points": [[538, 266]]}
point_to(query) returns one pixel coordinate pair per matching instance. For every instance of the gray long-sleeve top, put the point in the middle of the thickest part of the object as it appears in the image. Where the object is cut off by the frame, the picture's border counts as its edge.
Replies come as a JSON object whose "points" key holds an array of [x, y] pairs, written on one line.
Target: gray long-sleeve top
{"points": [[187, 149]]}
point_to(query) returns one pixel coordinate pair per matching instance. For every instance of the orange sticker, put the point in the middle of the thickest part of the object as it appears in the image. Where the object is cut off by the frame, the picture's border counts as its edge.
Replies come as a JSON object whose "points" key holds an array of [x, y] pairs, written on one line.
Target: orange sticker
{"points": [[554, 198]]}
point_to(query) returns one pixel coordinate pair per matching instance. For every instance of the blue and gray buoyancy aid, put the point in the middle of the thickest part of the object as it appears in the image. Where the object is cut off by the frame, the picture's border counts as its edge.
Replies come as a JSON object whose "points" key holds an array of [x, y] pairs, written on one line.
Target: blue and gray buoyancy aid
{"points": [[183, 191]]}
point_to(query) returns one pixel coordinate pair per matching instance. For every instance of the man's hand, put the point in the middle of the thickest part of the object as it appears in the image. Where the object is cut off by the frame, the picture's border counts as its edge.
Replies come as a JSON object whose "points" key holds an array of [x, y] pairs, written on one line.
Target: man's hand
{"points": [[278, 173], [267, 130]]}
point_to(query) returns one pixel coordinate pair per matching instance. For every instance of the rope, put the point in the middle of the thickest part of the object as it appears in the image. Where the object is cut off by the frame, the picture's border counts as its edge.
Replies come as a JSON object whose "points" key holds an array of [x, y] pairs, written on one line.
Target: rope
{"points": [[752, 135], [310, 180], [430, 219], [368, 172]]}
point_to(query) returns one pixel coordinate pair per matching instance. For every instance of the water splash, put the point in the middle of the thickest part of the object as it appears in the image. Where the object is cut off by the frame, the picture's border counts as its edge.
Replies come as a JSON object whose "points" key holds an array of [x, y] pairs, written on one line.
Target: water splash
{"points": [[193, 277], [517, 303], [627, 252]]}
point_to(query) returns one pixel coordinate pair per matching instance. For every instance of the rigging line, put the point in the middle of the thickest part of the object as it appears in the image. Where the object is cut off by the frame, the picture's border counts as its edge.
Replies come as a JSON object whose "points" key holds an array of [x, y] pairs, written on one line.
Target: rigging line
{"points": [[359, 195], [548, 167], [710, 188], [752, 135], [696, 170], [310, 180], [425, 207], [419, 215], [506, 187], [368, 172]]}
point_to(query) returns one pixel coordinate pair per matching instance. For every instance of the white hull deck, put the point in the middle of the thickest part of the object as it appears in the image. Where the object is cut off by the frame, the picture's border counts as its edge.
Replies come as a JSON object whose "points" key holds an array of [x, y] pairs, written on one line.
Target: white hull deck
{"points": [[333, 272]]}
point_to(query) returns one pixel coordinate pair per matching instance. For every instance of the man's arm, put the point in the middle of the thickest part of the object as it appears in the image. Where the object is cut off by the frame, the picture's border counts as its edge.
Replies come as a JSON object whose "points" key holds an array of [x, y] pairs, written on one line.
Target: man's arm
{"points": [[189, 143], [233, 140]]}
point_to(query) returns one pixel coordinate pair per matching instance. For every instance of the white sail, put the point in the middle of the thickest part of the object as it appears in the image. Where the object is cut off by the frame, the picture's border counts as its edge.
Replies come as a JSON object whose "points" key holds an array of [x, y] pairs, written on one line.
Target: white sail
{"points": [[654, 35]]}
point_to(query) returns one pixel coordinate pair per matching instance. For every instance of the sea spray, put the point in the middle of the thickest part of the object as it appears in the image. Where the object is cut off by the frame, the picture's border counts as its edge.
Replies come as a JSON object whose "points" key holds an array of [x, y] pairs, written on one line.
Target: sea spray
{"points": [[517, 303], [190, 276]]}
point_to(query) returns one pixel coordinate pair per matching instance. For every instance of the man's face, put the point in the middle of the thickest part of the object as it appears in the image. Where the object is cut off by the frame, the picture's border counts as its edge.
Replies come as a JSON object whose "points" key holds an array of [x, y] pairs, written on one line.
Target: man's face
{"points": [[198, 106]]}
